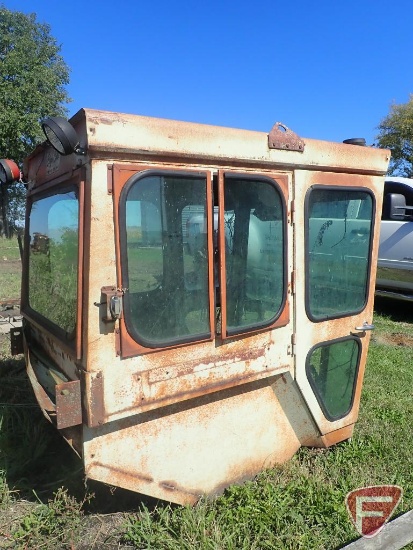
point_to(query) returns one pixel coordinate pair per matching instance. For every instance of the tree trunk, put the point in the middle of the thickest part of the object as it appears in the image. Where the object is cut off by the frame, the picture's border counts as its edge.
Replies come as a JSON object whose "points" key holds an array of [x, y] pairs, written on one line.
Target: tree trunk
{"points": [[4, 222]]}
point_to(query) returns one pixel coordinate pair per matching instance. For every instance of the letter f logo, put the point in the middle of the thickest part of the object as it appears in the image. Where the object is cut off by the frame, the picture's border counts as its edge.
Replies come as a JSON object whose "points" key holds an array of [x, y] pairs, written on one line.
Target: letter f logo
{"points": [[371, 507]]}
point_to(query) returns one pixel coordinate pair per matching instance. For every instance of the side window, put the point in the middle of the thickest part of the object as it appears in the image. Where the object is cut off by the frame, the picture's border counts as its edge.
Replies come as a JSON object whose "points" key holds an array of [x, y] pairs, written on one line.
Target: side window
{"points": [[255, 253], [338, 244], [332, 372], [53, 258], [165, 258]]}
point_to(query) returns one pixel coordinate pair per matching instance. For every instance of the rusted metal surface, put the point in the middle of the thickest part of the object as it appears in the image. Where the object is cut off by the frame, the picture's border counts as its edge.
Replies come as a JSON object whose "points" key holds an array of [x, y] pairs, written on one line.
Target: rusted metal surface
{"points": [[189, 419], [281, 137], [80, 270], [46, 404], [92, 384], [118, 135], [190, 449], [68, 404]]}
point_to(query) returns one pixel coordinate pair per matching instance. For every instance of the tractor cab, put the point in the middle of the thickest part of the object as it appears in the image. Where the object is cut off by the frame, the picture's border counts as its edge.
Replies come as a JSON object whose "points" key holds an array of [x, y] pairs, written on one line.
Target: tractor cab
{"points": [[197, 301]]}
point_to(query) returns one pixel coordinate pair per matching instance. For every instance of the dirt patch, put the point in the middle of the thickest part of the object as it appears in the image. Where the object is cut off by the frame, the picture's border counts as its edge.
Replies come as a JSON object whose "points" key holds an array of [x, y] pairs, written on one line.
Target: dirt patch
{"points": [[96, 532], [395, 339], [10, 266]]}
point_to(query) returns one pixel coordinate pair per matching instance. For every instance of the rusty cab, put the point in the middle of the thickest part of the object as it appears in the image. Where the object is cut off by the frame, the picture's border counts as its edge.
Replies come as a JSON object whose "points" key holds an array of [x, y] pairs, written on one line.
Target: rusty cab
{"points": [[197, 300]]}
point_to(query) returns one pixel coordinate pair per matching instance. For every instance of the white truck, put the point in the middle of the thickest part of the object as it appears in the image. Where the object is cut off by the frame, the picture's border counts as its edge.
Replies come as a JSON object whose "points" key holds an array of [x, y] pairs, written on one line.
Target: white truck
{"points": [[395, 264]]}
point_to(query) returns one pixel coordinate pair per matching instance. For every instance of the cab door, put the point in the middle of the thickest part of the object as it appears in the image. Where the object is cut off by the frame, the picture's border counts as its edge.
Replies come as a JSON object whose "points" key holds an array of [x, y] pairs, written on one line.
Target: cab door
{"points": [[336, 243]]}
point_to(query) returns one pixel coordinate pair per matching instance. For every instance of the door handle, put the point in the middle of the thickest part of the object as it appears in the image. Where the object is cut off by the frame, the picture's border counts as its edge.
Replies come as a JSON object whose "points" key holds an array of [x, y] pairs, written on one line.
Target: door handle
{"points": [[365, 326]]}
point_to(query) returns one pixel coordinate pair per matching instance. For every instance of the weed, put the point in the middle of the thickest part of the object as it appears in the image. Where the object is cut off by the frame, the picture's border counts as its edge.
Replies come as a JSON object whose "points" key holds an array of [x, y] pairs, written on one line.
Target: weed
{"points": [[50, 525]]}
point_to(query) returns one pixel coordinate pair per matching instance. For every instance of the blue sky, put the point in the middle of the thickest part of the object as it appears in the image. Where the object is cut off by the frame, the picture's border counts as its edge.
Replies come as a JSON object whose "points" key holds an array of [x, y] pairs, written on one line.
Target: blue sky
{"points": [[326, 69]]}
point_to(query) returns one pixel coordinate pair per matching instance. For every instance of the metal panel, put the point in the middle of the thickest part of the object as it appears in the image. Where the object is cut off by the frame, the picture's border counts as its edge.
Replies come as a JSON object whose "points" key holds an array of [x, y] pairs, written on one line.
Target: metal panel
{"points": [[128, 137], [68, 404], [181, 452], [281, 137]]}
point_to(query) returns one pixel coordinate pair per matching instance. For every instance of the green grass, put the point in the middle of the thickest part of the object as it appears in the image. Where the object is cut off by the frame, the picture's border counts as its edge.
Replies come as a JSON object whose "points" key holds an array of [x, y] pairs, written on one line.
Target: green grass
{"points": [[44, 503], [9, 249], [10, 269]]}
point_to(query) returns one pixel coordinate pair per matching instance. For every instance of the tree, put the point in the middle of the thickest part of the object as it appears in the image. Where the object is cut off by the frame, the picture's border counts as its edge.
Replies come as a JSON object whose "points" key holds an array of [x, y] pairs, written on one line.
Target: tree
{"points": [[396, 134], [33, 76]]}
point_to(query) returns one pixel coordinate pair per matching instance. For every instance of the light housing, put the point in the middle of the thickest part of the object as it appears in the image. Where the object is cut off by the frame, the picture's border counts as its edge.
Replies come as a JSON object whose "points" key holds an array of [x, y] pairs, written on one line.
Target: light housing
{"points": [[9, 171], [61, 135], [355, 141]]}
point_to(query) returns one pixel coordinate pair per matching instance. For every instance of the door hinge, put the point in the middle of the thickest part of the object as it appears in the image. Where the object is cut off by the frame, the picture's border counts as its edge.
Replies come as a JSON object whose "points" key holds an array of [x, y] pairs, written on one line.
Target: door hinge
{"points": [[293, 282], [293, 343], [110, 179], [292, 212]]}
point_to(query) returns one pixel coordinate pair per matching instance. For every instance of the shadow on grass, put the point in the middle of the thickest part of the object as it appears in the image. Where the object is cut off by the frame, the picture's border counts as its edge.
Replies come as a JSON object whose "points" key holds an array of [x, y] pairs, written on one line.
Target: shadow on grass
{"points": [[35, 461], [396, 310]]}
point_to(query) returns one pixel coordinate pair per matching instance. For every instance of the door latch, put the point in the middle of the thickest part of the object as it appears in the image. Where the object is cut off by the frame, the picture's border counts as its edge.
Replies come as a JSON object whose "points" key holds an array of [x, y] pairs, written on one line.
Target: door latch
{"points": [[365, 326], [112, 298]]}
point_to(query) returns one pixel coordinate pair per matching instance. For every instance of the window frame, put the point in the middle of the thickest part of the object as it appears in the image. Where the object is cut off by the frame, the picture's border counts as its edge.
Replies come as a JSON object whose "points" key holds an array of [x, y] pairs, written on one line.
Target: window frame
{"points": [[281, 318], [119, 175], [331, 187], [312, 383], [72, 343], [129, 342]]}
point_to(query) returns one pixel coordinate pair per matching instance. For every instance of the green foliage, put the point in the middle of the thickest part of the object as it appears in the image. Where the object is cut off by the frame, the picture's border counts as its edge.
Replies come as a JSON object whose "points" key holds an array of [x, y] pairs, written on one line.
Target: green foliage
{"points": [[396, 134], [51, 525], [33, 76], [53, 280], [32, 80], [268, 513], [10, 269], [24, 435]]}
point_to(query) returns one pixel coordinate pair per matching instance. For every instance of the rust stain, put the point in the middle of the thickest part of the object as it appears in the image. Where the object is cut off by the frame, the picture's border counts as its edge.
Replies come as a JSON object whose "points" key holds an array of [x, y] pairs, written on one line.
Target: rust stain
{"points": [[92, 388], [119, 472], [168, 485], [332, 438], [161, 489], [68, 404]]}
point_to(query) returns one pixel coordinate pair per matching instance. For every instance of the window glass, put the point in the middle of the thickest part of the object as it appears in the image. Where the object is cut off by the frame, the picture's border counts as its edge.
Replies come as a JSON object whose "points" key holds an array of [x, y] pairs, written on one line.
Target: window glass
{"points": [[339, 226], [53, 263], [332, 370], [166, 263], [255, 252]]}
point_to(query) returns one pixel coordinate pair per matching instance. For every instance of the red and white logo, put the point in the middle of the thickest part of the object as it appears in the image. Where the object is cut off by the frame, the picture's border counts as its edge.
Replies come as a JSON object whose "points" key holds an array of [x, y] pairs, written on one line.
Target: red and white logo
{"points": [[371, 507]]}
